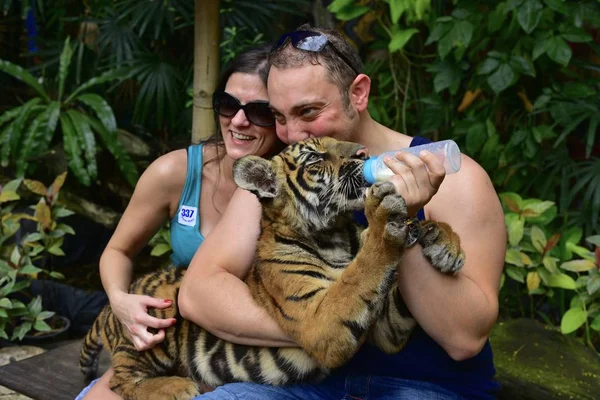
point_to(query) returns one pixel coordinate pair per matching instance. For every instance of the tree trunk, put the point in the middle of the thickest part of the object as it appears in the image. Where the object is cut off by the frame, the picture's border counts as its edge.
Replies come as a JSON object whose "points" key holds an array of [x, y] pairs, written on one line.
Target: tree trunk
{"points": [[206, 67]]}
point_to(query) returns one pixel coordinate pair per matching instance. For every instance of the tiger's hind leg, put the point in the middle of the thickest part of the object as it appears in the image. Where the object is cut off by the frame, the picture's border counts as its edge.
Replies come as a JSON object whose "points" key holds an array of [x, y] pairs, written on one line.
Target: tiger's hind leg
{"points": [[138, 378], [441, 246]]}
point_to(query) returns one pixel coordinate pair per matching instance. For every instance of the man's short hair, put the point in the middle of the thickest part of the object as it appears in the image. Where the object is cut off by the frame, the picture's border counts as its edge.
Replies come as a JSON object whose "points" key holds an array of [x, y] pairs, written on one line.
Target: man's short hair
{"points": [[338, 71]]}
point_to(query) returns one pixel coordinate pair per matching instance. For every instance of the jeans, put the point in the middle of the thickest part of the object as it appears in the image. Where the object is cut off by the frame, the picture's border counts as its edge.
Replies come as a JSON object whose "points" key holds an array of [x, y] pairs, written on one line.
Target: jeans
{"points": [[334, 388], [351, 387]]}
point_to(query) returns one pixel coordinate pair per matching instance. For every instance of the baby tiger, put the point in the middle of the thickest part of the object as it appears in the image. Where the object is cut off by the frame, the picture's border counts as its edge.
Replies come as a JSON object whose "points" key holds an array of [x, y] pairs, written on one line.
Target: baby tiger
{"points": [[328, 282]]}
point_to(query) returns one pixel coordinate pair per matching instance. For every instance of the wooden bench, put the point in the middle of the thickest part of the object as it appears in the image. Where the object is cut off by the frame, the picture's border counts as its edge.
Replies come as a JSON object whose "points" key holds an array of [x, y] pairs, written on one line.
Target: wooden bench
{"points": [[53, 375]]}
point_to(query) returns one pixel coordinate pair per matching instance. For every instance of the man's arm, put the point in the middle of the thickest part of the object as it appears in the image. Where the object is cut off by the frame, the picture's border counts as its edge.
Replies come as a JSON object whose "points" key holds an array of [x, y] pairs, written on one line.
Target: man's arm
{"points": [[213, 294], [458, 312]]}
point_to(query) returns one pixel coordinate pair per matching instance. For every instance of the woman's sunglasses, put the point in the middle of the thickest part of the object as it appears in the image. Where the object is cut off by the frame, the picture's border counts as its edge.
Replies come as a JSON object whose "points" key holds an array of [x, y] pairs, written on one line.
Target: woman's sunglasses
{"points": [[257, 112], [311, 41]]}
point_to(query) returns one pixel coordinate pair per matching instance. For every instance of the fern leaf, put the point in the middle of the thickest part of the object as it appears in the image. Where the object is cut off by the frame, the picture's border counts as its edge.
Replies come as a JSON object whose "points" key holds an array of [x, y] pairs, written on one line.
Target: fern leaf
{"points": [[73, 150], [113, 74], [24, 76], [111, 141], [11, 137], [86, 137], [102, 110], [63, 69]]}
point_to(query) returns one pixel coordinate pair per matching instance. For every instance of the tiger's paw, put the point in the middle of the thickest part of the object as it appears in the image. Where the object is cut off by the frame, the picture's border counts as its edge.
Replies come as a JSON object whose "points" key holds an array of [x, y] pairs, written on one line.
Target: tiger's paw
{"points": [[441, 246], [386, 213]]}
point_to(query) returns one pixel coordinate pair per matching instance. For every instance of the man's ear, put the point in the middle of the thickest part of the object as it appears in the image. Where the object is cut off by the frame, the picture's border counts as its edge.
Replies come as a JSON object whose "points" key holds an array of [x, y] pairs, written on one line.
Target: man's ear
{"points": [[257, 175], [359, 92]]}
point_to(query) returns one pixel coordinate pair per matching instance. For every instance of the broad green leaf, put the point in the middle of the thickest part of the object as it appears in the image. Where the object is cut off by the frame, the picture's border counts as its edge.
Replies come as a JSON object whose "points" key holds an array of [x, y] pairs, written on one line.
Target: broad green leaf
{"points": [[39, 136], [572, 320], [563, 281], [61, 213], [540, 47], [85, 136], [489, 65], [578, 265], [65, 228], [529, 15], [579, 36], [593, 285], [594, 240], [496, 17], [581, 252], [5, 303], [30, 270], [476, 137], [41, 326], [440, 30], [522, 66], [515, 274], [73, 150], [515, 225], [559, 51], [20, 331], [558, 5], [595, 325], [56, 250], [101, 108], [160, 249], [501, 79], [513, 256], [550, 263], [24, 76], [338, 5], [45, 315], [351, 12], [538, 239], [397, 8], [63, 68], [400, 38]]}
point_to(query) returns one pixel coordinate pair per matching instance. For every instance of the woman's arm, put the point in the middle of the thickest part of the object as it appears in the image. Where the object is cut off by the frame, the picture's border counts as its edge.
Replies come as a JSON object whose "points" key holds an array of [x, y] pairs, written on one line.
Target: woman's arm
{"points": [[213, 294], [150, 206]]}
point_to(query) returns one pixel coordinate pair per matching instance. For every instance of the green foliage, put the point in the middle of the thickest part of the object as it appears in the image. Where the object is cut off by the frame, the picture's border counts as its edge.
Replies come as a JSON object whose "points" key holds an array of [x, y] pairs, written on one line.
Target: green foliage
{"points": [[543, 262], [161, 242], [513, 82], [27, 131], [23, 261]]}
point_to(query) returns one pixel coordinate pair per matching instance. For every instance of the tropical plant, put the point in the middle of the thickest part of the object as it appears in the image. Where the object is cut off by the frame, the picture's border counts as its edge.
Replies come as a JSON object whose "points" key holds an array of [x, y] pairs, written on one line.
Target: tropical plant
{"points": [[544, 262], [28, 131], [20, 260], [161, 243], [513, 82]]}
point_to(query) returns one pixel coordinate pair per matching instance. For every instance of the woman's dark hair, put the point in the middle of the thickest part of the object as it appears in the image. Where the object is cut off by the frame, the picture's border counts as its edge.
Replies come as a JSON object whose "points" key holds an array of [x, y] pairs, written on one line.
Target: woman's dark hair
{"points": [[254, 61]]}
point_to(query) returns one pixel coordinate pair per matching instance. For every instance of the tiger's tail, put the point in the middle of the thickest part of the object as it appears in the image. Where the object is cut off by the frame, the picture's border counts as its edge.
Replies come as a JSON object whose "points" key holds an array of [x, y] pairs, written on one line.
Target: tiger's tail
{"points": [[92, 346]]}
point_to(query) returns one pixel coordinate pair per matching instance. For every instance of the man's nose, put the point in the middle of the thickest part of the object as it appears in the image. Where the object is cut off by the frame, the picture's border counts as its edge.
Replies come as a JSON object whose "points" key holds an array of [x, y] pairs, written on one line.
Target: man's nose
{"points": [[295, 133]]}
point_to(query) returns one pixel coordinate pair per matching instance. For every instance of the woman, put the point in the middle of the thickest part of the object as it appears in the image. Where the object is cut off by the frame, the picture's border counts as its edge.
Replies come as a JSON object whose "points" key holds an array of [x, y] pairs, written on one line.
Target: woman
{"points": [[191, 188]]}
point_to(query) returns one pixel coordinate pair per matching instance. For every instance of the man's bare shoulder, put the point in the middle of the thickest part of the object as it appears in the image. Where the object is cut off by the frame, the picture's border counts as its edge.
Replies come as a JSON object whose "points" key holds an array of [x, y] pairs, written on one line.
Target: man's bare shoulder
{"points": [[469, 192]]}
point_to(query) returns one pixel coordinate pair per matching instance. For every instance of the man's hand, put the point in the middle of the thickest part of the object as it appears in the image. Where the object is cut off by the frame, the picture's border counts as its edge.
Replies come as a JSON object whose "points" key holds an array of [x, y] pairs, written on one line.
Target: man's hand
{"points": [[132, 311], [417, 179]]}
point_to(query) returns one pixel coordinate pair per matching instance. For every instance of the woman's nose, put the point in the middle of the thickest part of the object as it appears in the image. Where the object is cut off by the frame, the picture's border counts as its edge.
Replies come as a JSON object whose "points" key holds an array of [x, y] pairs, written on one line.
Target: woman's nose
{"points": [[239, 119]]}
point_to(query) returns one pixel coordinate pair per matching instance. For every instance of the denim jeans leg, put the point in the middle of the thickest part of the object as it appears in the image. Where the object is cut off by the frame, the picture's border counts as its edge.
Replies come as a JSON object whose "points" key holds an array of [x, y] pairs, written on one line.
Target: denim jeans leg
{"points": [[255, 391], [387, 388]]}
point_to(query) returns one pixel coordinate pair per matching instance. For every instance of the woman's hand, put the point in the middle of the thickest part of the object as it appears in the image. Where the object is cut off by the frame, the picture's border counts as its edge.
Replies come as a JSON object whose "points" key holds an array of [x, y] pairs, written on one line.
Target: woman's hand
{"points": [[417, 179], [132, 311]]}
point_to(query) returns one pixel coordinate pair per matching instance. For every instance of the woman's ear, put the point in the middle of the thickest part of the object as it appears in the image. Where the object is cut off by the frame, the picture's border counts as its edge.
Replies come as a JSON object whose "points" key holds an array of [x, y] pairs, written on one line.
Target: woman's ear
{"points": [[256, 175], [359, 92]]}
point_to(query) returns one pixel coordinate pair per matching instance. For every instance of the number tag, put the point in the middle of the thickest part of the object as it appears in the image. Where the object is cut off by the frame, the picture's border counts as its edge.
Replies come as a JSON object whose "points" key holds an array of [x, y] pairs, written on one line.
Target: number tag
{"points": [[187, 215]]}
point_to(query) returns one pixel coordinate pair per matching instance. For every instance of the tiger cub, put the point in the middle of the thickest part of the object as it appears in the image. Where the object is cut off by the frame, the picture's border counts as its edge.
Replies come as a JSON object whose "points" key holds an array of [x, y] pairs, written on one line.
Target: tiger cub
{"points": [[328, 282]]}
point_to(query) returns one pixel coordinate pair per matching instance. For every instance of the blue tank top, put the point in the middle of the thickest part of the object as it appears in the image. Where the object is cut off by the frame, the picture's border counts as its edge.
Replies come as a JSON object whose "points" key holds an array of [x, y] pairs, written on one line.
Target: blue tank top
{"points": [[424, 360], [185, 224]]}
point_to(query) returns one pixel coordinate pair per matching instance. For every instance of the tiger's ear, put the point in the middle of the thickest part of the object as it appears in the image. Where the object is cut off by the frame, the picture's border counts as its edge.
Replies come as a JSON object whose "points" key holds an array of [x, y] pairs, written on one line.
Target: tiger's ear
{"points": [[257, 175]]}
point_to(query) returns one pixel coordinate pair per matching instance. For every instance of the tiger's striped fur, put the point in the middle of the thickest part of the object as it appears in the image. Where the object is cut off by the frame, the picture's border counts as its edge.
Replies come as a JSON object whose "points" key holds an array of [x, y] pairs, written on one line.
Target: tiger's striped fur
{"points": [[328, 282]]}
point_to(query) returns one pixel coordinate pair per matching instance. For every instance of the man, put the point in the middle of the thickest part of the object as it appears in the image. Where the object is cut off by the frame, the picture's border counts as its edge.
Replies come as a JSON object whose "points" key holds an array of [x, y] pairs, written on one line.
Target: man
{"points": [[316, 87]]}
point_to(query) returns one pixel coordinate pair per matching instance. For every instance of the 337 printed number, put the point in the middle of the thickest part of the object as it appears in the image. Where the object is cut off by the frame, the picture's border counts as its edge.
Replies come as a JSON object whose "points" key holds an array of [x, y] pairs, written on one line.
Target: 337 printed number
{"points": [[187, 213]]}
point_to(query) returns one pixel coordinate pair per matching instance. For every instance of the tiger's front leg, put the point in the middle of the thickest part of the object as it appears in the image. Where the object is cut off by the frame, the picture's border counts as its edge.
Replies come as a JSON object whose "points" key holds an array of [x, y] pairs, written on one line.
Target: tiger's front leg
{"points": [[335, 325]]}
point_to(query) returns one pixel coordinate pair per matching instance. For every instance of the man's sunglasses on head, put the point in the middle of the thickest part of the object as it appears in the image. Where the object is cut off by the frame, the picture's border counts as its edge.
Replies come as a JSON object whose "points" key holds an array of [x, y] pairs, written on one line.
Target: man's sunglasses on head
{"points": [[311, 41], [258, 112]]}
